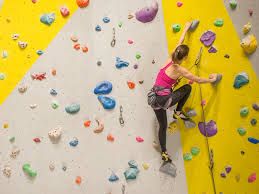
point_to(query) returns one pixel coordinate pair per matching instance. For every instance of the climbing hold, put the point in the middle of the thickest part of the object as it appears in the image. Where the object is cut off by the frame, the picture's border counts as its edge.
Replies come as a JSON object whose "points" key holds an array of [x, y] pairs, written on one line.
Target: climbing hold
{"points": [[5, 125], [132, 171], [107, 102], [147, 14], [241, 79], [36, 140], [54, 72], [34, 1], [135, 66], [226, 56], [195, 151], [76, 46], [212, 49], [120, 63], [141, 81], [54, 104], [104, 87], [241, 131], [120, 24], [218, 79], [2, 76], [189, 124], [179, 4], [194, 25], [27, 169], [106, 20], [22, 44], [131, 85], [55, 134], [87, 123], [15, 36], [98, 28], [176, 27], [73, 142], [139, 139], [47, 18], [110, 138], [113, 177], [33, 106], [138, 56], [187, 157], [208, 129], [53, 92], [82, 3], [145, 166], [203, 102], [38, 76], [253, 121], [12, 139], [72, 108], [64, 167], [85, 49], [256, 106], [233, 4], [51, 166], [228, 168], [39, 52], [100, 126], [64, 11], [252, 178], [99, 63], [219, 22], [15, 152], [130, 16], [130, 41], [253, 140], [168, 168], [208, 38], [4, 54], [249, 44], [78, 180], [250, 11], [7, 171], [247, 27], [74, 38], [223, 175], [242, 152], [237, 177], [244, 111], [133, 164]]}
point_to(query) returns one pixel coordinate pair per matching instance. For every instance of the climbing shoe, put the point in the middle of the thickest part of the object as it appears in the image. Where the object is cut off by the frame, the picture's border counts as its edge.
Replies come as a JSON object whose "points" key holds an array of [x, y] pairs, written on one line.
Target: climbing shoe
{"points": [[180, 115], [165, 157]]}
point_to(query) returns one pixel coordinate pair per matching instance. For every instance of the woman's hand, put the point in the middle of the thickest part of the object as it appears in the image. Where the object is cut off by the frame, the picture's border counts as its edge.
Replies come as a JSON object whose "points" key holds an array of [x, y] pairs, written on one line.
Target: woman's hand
{"points": [[213, 77]]}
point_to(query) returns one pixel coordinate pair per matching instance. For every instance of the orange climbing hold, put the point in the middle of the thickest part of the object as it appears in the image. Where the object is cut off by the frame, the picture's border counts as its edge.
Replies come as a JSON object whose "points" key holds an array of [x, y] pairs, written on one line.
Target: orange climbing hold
{"points": [[78, 180], [110, 138], [131, 85], [54, 72], [77, 46], [84, 49], [82, 3], [87, 123]]}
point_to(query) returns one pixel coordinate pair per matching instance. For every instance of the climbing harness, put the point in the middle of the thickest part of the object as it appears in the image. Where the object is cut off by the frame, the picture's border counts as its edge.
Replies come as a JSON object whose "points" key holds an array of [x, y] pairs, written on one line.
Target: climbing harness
{"points": [[210, 151], [113, 42], [121, 120]]}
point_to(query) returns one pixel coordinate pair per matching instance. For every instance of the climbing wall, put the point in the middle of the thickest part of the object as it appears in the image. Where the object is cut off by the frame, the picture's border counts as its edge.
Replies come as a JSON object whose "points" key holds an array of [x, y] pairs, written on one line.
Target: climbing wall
{"points": [[232, 151], [28, 116]]}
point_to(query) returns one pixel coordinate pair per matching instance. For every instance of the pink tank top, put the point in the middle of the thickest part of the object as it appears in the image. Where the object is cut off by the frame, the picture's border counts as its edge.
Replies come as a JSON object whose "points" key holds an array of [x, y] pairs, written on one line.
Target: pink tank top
{"points": [[164, 80]]}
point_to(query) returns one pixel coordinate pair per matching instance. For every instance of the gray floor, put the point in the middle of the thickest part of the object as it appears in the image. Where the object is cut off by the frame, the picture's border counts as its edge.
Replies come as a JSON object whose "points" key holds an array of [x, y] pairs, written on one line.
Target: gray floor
{"points": [[240, 17]]}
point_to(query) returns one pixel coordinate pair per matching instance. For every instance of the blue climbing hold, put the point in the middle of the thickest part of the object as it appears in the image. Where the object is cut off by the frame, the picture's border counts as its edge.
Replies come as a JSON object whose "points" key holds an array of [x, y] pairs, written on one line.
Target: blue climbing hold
{"points": [[98, 28], [39, 52], [241, 80], [107, 102], [106, 20], [253, 140], [133, 164], [104, 87], [74, 142], [113, 177], [47, 18], [120, 63]]}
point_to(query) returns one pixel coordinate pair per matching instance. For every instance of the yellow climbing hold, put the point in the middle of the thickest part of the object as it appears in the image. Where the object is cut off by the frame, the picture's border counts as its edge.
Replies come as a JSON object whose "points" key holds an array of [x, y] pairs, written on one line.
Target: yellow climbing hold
{"points": [[249, 44]]}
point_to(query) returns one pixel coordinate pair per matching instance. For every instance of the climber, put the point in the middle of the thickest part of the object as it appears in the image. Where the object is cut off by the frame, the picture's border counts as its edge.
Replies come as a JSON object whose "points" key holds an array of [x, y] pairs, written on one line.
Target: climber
{"points": [[162, 96]]}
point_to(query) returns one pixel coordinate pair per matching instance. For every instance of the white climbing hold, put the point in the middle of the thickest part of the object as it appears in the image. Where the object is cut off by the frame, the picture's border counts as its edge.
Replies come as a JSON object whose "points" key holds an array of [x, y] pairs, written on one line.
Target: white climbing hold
{"points": [[22, 88], [55, 134], [7, 171], [15, 152], [22, 44]]}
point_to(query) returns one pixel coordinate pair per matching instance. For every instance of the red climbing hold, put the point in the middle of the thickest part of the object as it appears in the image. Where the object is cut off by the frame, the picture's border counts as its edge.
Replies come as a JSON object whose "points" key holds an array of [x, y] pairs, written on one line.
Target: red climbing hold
{"points": [[78, 180], [139, 139], [131, 85], [110, 138], [77, 46], [87, 123], [39, 76], [179, 4], [84, 49], [82, 3], [36, 140]]}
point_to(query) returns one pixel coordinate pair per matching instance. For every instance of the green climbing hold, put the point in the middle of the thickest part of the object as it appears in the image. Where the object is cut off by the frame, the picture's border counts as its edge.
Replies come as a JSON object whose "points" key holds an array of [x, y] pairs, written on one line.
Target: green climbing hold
{"points": [[2, 76], [241, 131], [233, 4], [73, 108], [195, 151], [120, 24], [187, 157], [138, 56], [27, 169], [219, 22], [54, 104], [176, 27], [12, 139], [244, 111]]}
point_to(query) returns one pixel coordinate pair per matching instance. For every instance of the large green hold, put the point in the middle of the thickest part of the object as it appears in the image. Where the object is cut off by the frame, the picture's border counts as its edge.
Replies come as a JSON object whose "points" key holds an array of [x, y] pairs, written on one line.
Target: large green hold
{"points": [[244, 111], [176, 27], [241, 131], [27, 169], [195, 151], [187, 157], [72, 108], [233, 4], [219, 22]]}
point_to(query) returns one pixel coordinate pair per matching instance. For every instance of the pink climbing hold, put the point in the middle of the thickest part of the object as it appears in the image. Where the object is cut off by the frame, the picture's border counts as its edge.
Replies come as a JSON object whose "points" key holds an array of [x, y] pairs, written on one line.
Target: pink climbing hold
{"points": [[203, 102], [34, 1], [252, 178], [179, 4], [64, 11], [139, 139], [130, 41]]}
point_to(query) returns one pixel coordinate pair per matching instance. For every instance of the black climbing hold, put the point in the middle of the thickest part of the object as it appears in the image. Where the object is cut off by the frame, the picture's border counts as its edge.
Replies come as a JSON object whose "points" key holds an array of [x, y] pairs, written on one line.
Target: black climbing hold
{"points": [[242, 152], [227, 56]]}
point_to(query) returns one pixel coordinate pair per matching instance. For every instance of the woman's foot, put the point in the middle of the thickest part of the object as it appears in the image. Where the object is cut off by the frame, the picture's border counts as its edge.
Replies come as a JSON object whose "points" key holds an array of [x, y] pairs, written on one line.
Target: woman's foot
{"points": [[180, 115], [165, 157]]}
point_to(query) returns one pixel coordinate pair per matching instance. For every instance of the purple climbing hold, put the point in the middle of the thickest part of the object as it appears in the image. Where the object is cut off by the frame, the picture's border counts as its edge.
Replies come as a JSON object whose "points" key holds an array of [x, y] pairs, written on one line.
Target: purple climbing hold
{"points": [[208, 38], [210, 128], [147, 14], [223, 175], [228, 169], [212, 49], [255, 106]]}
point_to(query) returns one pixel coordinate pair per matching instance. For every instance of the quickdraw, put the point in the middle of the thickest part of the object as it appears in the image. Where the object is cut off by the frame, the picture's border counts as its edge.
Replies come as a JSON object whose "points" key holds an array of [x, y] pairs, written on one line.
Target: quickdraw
{"points": [[113, 42], [121, 120]]}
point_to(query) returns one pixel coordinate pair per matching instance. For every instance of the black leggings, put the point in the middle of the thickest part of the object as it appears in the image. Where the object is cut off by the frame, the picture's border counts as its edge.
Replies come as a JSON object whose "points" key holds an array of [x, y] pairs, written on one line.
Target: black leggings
{"points": [[179, 96]]}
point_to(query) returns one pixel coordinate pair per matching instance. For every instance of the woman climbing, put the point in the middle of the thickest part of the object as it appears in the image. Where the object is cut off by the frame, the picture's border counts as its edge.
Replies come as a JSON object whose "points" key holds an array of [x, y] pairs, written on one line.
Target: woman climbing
{"points": [[162, 96]]}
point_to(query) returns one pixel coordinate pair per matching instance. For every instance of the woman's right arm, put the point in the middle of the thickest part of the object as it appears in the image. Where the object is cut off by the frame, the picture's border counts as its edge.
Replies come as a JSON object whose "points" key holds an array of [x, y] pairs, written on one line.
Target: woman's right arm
{"points": [[189, 75]]}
